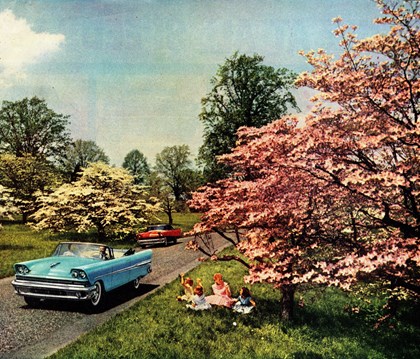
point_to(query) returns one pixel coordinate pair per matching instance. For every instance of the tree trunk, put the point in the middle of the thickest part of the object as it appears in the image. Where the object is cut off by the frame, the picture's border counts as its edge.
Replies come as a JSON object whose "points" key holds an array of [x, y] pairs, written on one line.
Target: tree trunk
{"points": [[287, 301], [25, 217], [170, 219], [101, 233]]}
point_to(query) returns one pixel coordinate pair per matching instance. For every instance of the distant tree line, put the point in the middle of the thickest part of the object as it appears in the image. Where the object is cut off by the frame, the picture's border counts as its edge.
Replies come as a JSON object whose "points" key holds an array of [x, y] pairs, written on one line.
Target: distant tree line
{"points": [[51, 179]]}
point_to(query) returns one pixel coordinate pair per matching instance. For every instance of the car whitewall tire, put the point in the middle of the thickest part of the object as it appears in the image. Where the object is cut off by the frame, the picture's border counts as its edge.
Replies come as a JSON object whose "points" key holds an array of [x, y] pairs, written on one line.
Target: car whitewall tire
{"points": [[97, 296], [136, 283]]}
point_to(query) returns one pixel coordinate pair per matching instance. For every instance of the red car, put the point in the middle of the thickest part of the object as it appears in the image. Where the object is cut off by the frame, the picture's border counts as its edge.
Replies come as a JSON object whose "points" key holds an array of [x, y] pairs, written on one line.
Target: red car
{"points": [[159, 234]]}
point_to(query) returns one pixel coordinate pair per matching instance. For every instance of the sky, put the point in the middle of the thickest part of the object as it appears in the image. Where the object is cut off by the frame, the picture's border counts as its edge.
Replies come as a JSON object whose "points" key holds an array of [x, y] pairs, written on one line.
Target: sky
{"points": [[131, 73]]}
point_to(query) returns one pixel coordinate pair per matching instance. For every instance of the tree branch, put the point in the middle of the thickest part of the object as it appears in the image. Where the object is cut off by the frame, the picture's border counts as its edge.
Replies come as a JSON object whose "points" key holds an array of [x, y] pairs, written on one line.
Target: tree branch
{"points": [[223, 235], [227, 258]]}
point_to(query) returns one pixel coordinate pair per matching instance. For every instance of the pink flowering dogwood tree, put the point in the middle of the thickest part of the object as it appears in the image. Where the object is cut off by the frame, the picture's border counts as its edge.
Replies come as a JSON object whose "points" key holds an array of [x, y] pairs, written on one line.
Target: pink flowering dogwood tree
{"points": [[336, 200]]}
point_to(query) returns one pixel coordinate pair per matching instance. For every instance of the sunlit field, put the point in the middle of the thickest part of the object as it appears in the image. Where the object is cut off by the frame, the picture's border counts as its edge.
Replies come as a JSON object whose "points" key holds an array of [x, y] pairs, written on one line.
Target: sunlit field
{"points": [[19, 243]]}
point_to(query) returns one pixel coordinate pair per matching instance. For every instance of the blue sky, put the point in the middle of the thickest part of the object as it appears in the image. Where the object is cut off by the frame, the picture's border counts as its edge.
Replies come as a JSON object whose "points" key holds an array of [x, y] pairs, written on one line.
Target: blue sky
{"points": [[131, 73]]}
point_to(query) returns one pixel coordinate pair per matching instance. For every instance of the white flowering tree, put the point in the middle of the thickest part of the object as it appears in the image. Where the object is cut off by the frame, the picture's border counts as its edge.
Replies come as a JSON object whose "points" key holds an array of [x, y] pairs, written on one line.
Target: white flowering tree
{"points": [[7, 207], [104, 198]]}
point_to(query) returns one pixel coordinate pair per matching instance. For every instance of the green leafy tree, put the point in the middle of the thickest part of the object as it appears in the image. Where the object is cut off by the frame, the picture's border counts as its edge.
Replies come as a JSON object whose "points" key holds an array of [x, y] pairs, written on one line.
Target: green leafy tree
{"points": [[245, 93], [104, 198], [30, 127], [80, 154], [136, 163], [175, 167], [163, 193], [27, 177]]}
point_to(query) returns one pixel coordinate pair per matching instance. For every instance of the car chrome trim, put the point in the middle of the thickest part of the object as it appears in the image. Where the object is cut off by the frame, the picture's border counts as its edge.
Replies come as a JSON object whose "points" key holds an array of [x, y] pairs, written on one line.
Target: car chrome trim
{"points": [[126, 269], [52, 290], [30, 284], [152, 240]]}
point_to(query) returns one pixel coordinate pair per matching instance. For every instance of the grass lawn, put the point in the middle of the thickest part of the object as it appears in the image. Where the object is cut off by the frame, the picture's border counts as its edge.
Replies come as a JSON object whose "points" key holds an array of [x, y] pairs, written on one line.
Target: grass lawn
{"points": [[185, 221], [160, 327], [19, 243]]}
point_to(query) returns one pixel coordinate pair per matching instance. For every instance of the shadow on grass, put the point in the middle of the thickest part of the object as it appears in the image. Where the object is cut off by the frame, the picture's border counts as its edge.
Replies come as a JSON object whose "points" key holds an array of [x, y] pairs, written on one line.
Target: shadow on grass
{"points": [[319, 323], [304, 355], [6, 221], [4, 247], [393, 340], [73, 236], [91, 237], [113, 299]]}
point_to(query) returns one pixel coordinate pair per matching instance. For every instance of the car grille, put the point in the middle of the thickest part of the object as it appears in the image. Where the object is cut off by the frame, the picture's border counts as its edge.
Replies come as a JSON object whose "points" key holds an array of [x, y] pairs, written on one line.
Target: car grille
{"points": [[48, 280], [44, 291]]}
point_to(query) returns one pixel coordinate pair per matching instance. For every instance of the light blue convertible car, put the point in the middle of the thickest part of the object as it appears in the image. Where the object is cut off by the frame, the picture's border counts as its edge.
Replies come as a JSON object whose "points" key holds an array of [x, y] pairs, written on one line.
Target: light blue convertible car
{"points": [[80, 271]]}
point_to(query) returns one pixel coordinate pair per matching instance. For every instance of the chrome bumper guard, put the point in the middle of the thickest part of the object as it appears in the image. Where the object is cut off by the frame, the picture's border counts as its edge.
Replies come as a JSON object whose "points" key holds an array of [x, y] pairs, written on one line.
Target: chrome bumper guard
{"points": [[157, 240], [52, 290]]}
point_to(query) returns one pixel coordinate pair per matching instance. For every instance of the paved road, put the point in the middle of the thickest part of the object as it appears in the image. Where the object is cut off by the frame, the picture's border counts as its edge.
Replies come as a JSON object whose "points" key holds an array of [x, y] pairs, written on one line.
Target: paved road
{"points": [[27, 333]]}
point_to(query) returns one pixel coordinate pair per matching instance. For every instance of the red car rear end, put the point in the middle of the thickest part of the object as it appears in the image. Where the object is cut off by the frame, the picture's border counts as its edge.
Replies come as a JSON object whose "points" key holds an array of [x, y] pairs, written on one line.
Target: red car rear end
{"points": [[159, 234]]}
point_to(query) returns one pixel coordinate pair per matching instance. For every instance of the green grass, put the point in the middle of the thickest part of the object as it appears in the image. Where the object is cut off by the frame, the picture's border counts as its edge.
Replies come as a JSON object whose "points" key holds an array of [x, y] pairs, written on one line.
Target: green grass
{"points": [[185, 221], [19, 243], [160, 327]]}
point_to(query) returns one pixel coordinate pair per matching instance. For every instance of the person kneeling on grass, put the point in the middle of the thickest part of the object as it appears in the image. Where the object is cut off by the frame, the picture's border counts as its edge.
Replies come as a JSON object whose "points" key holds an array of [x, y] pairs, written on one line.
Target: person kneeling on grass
{"points": [[244, 303], [199, 300]]}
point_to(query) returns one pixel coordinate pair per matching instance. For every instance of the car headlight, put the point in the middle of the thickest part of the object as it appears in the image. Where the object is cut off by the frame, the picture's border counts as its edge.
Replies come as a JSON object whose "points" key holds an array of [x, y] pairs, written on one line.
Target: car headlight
{"points": [[22, 269], [78, 273]]}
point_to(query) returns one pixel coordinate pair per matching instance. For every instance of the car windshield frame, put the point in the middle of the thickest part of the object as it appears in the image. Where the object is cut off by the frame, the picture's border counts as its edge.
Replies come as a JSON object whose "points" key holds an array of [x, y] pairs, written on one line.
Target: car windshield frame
{"points": [[159, 227], [78, 249]]}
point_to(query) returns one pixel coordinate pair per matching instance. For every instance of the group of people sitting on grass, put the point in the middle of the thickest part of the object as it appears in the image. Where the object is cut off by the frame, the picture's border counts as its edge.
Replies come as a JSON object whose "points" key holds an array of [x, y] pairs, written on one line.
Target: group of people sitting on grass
{"points": [[221, 296]]}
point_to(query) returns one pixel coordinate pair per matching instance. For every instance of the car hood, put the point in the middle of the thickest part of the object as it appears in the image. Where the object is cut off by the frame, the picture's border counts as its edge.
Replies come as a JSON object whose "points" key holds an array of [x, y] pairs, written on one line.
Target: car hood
{"points": [[57, 267]]}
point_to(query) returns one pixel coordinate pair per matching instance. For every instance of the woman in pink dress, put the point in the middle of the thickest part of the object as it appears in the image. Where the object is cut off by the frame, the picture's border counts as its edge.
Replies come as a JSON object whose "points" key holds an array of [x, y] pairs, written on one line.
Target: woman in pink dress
{"points": [[221, 293]]}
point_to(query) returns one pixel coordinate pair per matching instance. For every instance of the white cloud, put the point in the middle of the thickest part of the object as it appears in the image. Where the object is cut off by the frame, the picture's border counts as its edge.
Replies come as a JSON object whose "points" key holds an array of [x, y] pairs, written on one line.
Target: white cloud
{"points": [[20, 46]]}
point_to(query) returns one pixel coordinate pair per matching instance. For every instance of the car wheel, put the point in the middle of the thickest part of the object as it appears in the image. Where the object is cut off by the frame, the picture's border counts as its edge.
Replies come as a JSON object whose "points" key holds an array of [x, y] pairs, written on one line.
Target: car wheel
{"points": [[175, 240], [136, 283], [166, 242], [31, 301], [97, 298]]}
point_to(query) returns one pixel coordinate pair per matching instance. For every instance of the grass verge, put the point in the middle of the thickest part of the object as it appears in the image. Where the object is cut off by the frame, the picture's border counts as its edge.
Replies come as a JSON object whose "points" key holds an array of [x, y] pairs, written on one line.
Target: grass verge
{"points": [[160, 327]]}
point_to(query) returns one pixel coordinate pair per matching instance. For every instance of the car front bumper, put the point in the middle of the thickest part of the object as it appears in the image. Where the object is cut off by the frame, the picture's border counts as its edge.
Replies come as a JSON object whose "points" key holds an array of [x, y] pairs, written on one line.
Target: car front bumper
{"points": [[52, 290]]}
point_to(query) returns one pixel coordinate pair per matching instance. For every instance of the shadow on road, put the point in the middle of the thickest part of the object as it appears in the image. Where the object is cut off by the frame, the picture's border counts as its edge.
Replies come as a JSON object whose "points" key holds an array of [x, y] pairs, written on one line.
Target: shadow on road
{"points": [[113, 299]]}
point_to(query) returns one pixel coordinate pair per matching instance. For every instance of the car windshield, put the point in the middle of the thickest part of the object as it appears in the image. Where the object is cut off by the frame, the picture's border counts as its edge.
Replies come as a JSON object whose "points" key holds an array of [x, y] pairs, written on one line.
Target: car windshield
{"points": [[159, 227], [85, 250]]}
